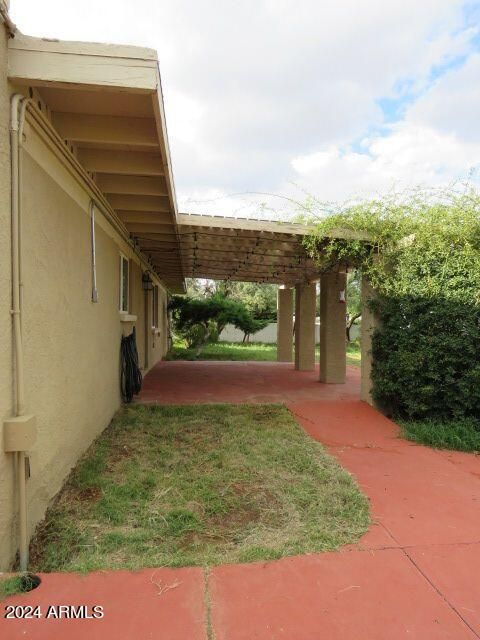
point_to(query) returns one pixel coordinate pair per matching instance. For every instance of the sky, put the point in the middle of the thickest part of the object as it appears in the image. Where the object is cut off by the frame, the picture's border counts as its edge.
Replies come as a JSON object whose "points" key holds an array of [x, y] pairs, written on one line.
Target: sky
{"points": [[274, 102]]}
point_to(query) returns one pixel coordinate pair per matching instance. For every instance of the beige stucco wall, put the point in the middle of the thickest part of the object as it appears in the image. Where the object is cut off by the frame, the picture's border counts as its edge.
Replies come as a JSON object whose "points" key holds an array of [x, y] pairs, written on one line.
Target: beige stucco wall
{"points": [[7, 485], [71, 344]]}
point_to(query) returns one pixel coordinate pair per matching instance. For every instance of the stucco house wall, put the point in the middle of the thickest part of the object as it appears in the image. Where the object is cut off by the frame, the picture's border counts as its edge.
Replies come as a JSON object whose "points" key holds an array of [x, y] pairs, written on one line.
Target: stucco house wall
{"points": [[71, 344], [7, 484]]}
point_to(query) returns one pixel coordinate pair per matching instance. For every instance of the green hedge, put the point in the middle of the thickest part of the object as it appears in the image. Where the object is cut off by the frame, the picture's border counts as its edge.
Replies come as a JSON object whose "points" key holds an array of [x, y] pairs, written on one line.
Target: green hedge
{"points": [[426, 358]]}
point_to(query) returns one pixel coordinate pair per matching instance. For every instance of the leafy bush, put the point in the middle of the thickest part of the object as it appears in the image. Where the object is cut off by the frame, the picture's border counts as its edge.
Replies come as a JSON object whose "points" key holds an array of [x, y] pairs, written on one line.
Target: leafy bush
{"points": [[426, 358]]}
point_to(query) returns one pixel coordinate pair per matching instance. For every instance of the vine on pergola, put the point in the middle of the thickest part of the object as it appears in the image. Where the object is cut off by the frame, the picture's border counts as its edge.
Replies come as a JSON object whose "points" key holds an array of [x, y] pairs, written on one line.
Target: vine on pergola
{"points": [[423, 260]]}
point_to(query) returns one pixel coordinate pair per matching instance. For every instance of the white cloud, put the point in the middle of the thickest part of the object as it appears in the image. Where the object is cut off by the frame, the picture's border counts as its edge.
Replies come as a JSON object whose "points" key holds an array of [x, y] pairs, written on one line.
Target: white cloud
{"points": [[452, 105], [262, 93], [409, 156]]}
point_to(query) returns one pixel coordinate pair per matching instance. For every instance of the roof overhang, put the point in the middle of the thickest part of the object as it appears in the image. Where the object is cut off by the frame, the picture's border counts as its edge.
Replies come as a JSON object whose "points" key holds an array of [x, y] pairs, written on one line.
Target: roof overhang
{"points": [[106, 102]]}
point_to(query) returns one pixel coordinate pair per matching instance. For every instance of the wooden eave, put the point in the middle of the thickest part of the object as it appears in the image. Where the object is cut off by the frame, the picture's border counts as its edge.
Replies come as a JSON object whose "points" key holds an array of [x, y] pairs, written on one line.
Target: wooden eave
{"points": [[106, 103]]}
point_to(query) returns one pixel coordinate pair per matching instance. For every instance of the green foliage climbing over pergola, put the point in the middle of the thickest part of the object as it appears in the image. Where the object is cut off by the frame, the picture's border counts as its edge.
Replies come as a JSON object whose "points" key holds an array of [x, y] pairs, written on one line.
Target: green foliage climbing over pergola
{"points": [[422, 257]]}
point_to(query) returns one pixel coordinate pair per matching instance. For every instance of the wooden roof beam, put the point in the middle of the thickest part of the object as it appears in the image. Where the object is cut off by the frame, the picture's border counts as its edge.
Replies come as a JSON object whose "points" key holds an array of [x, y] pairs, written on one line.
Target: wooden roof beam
{"points": [[145, 237], [101, 129], [267, 226], [227, 247], [242, 224], [229, 251], [156, 217], [132, 163], [236, 234], [111, 183], [128, 202], [245, 277], [141, 227]]}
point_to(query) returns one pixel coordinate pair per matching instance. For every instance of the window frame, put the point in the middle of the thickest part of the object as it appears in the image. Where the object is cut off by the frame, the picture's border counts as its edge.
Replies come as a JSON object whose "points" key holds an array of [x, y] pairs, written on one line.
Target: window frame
{"points": [[124, 295], [155, 305]]}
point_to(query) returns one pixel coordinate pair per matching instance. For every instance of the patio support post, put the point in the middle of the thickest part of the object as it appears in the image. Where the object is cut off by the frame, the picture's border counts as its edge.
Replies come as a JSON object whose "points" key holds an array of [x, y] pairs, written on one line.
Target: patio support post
{"points": [[333, 358], [369, 324], [285, 324], [305, 303]]}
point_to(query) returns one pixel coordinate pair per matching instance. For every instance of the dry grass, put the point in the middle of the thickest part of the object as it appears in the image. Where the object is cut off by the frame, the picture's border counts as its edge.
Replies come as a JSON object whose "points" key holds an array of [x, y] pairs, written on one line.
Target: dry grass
{"points": [[199, 485]]}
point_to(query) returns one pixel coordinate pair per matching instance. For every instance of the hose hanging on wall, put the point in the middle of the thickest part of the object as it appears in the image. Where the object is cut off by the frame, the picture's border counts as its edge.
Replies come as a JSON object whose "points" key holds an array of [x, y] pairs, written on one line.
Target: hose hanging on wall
{"points": [[131, 377]]}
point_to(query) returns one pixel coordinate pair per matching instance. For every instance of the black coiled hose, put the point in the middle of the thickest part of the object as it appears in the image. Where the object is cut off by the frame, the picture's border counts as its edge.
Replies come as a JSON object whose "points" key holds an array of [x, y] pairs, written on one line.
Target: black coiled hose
{"points": [[131, 376]]}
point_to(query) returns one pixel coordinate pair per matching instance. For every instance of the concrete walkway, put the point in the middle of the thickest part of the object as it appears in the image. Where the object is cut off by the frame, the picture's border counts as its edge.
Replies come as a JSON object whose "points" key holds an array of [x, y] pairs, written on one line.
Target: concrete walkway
{"points": [[414, 575]]}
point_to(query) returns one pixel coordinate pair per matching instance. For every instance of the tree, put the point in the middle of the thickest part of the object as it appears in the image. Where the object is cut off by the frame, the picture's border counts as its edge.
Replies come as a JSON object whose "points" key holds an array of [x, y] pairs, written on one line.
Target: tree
{"points": [[354, 302], [259, 299], [200, 287], [201, 320], [250, 325]]}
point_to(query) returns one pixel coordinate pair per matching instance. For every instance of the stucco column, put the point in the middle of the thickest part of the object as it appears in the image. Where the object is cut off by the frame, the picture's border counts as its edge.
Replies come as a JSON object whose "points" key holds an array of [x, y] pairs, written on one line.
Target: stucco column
{"points": [[285, 324], [369, 323], [305, 303], [333, 357]]}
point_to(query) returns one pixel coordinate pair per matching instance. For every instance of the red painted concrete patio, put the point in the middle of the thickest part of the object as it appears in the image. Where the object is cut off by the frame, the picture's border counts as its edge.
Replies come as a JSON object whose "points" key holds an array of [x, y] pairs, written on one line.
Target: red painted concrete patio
{"points": [[414, 575], [180, 382]]}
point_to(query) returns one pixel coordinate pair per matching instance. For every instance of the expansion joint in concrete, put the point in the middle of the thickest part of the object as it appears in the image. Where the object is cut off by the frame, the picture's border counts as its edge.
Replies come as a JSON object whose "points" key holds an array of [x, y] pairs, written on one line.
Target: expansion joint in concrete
{"points": [[210, 633], [404, 550], [440, 593]]}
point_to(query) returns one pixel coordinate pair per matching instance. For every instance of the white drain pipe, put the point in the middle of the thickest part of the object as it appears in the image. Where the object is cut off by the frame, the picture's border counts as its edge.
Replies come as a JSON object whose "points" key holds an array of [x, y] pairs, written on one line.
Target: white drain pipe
{"points": [[16, 127], [16, 269]]}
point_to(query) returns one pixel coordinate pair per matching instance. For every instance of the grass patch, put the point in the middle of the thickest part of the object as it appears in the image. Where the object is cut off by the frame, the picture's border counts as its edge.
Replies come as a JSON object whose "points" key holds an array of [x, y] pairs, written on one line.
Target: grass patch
{"points": [[226, 351], [459, 435], [255, 351], [354, 355], [13, 585], [199, 485]]}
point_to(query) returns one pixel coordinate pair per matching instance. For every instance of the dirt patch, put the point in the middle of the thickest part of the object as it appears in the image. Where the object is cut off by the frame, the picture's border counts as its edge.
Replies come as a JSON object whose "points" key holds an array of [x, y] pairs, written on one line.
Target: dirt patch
{"points": [[90, 494], [119, 452]]}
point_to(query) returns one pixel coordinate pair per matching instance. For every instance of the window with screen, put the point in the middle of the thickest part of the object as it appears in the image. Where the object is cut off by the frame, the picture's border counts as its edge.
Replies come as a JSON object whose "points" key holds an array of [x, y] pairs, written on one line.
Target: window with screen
{"points": [[124, 278]]}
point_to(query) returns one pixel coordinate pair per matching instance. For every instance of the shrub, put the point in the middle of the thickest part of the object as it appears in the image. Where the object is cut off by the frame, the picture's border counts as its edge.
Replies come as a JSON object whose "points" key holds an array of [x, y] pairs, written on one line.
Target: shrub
{"points": [[426, 358]]}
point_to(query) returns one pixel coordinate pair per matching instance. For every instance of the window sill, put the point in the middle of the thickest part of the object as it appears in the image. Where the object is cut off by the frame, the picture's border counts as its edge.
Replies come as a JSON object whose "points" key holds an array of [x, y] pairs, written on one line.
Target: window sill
{"points": [[127, 317]]}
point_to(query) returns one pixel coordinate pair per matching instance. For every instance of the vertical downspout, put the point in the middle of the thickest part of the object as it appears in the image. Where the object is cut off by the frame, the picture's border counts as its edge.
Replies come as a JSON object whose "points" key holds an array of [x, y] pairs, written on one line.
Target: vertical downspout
{"points": [[94, 258], [17, 100], [21, 122]]}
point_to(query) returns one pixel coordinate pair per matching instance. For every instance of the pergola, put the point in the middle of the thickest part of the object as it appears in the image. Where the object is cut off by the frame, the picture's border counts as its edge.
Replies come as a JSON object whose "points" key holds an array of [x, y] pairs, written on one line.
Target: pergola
{"points": [[263, 251], [244, 250], [104, 105]]}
